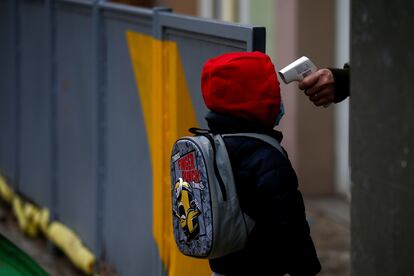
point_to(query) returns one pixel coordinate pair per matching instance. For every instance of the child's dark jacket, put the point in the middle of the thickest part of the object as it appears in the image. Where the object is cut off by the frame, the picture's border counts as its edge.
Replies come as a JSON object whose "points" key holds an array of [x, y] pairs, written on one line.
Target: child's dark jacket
{"points": [[268, 191]]}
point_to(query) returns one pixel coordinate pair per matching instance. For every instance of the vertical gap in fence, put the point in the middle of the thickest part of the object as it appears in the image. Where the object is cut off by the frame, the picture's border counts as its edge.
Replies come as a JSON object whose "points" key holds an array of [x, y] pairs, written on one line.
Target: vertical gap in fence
{"points": [[157, 33], [54, 166], [15, 26], [100, 77]]}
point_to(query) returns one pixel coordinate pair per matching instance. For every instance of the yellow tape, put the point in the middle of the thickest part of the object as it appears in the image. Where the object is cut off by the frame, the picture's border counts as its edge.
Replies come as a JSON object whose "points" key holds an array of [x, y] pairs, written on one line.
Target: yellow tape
{"points": [[5, 192], [18, 211], [31, 219], [68, 241]]}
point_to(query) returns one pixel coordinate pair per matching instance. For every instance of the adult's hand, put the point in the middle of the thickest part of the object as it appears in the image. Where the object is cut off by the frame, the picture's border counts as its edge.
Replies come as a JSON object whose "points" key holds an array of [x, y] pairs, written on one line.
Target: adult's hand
{"points": [[319, 87]]}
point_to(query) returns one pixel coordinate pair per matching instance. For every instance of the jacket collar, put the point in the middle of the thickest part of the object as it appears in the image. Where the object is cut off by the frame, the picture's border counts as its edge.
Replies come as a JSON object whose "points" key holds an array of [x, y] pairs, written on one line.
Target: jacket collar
{"points": [[223, 124]]}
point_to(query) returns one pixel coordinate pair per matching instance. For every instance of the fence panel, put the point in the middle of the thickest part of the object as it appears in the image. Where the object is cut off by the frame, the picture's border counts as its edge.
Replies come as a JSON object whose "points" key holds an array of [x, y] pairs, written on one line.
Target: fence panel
{"points": [[128, 190], [76, 118], [35, 105], [8, 71]]}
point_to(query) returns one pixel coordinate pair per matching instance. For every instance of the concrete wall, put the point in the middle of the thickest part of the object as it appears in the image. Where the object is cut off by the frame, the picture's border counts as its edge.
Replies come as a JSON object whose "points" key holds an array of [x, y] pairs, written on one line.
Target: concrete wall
{"points": [[382, 137], [307, 28]]}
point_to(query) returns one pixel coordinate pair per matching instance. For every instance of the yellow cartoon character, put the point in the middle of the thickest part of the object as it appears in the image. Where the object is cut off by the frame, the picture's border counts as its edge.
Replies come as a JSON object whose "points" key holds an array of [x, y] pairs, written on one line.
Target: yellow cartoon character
{"points": [[187, 210]]}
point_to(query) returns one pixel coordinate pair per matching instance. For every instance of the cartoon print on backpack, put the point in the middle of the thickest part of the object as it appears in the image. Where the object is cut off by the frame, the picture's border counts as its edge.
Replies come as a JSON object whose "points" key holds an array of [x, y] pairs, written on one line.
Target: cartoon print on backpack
{"points": [[187, 209], [191, 213]]}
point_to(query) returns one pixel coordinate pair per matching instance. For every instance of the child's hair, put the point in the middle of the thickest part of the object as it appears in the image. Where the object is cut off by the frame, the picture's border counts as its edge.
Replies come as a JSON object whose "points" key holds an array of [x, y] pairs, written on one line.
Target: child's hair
{"points": [[242, 84]]}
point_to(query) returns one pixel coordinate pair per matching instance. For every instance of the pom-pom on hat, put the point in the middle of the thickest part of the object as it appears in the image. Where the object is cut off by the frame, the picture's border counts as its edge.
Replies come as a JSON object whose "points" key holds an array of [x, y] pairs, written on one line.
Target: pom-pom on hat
{"points": [[242, 84]]}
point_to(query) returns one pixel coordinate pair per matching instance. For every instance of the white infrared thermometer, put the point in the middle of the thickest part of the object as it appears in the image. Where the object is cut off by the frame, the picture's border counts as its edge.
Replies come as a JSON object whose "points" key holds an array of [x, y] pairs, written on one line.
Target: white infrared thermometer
{"points": [[297, 70]]}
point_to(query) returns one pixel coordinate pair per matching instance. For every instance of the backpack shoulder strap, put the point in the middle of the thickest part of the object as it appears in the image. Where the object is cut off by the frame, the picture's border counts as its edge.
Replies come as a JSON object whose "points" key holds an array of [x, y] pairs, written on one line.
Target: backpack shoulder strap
{"points": [[210, 137], [265, 138]]}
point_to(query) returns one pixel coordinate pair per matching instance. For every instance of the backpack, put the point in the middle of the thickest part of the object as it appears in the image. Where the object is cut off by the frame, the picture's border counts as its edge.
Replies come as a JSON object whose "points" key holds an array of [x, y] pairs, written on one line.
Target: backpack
{"points": [[207, 219]]}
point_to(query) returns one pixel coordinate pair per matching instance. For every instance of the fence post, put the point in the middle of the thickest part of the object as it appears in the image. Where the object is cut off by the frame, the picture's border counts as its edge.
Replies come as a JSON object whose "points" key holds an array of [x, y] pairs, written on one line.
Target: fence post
{"points": [[100, 86], [258, 40], [15, 43], [54, 166], [157, 33]]}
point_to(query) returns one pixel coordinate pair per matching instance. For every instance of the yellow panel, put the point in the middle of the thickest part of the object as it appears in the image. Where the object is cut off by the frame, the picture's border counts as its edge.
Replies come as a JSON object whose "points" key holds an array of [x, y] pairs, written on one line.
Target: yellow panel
{"points": [[168, 113]]}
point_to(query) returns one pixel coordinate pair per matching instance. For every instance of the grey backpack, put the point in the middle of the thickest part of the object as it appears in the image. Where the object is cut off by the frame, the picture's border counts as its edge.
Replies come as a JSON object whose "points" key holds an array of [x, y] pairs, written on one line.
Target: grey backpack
{"points": [[207, 219]]}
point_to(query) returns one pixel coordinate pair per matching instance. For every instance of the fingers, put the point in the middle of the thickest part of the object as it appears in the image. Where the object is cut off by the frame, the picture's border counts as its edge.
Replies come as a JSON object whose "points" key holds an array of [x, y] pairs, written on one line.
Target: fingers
{"points": [[313, 90], [310, 80], [318, 78], [320, 87], [322, 97]]}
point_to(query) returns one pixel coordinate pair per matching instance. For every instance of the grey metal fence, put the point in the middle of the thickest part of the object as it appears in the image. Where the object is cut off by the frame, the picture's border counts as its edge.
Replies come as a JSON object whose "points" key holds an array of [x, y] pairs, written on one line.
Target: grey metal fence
{"points": [[72, 129]]}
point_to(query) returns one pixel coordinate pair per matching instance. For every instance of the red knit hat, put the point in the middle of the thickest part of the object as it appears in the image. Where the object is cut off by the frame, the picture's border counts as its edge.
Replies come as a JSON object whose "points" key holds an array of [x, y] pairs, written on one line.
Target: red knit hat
{"points": [[242, 84]]}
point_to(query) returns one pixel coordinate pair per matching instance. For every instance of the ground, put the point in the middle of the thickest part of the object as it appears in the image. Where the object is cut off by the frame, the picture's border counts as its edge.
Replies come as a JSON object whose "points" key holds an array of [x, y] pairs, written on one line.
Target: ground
{"points": [[329, 221], [328, 218]]}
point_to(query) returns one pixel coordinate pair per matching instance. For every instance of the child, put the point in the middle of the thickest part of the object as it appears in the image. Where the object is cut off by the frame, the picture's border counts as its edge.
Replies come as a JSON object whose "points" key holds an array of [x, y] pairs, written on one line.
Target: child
{"points": [[243, 95]]}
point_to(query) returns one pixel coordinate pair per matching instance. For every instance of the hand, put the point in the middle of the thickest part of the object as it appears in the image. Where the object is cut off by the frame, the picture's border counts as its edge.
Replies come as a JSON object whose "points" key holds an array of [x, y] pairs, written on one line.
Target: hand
{"points": [[319, 87]]}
